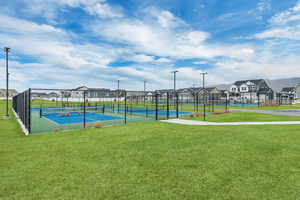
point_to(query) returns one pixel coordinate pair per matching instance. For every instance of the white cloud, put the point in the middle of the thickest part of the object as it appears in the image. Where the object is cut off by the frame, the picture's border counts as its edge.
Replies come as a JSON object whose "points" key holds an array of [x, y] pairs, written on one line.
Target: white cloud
{"points": [[164, 18], [151, 39], [163, 60], [14, 25], [142, 58], [200, 62], [292, 33], [103, 10], [284, 25], [154, 43], [287, 16], [49, 9], [263, 5]]}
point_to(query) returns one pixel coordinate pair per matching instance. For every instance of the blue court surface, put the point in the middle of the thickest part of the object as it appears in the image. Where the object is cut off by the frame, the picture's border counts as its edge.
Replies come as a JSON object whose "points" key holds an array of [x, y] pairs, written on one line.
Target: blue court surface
{"points": [[76, 117], [141, 111]]}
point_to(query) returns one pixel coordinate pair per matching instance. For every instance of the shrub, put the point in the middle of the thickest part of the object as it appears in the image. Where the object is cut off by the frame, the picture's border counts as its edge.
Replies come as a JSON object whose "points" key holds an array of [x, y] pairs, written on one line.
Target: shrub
{"points": [[199, 114], [221, 112], [98, 125]]}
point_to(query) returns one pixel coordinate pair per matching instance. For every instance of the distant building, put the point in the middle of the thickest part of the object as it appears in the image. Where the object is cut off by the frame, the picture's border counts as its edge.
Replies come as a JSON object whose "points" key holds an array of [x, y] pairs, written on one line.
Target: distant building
{"points": [[297, 93], [11, 93], [95, 92], [251, 91], [288, 93]]}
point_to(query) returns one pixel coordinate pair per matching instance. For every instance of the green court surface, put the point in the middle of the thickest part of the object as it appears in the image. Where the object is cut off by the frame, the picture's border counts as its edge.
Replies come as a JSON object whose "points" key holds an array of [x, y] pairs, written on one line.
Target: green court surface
{"points": [[151, 160]]}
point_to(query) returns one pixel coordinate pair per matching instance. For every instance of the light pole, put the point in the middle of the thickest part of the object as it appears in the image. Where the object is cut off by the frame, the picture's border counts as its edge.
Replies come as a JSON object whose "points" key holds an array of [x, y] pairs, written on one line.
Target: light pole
{"points": [[174, 96], [204, 96], [174, 72], [6, 50]]}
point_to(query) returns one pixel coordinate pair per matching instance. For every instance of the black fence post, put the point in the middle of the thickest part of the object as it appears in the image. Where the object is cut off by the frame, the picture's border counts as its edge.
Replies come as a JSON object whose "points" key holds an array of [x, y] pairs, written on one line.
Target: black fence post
{"points": [[119, 103], [168, 105], [125, 111], [213, 102], [29, 111], [84, 122], [226, 104], [156, 106], [197, 102], [204, 109], [177, 108]]}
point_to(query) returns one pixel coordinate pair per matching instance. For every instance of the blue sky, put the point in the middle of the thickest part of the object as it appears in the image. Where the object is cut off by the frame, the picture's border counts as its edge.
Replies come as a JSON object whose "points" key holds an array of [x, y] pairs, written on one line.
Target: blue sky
{"points": [[67, 43]]}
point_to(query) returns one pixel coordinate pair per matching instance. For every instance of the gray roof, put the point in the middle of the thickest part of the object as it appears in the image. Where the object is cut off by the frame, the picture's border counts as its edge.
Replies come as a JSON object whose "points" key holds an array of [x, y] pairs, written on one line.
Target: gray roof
{"points": [[278, 84], [255, 81]]}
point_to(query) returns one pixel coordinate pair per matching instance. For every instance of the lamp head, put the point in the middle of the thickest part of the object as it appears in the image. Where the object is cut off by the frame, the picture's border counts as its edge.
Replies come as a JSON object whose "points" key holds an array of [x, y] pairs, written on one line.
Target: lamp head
{"points": [[6, 49]]}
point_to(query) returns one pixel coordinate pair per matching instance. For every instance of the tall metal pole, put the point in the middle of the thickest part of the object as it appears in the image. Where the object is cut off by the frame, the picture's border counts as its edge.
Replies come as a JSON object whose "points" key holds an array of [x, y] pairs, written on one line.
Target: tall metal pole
{"points": [[204, 96], [6, 50], [174, 72]]}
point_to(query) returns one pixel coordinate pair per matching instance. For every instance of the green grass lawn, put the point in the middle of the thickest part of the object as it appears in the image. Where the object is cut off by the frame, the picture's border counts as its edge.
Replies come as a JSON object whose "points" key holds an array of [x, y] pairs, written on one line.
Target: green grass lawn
{"points": [[151, 160], [281, 107], [238, 116]]}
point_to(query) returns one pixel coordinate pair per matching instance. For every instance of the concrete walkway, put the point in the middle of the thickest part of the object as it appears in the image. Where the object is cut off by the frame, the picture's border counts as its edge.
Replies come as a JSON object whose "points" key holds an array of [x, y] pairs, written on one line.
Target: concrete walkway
{"points": [[289, 112], [202, 123]]}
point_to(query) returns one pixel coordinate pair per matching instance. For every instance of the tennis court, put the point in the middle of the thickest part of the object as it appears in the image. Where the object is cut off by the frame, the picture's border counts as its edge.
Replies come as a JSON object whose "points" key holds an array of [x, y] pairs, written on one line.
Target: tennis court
{"points": [[78, 117], [94, 112], [52, 110]]}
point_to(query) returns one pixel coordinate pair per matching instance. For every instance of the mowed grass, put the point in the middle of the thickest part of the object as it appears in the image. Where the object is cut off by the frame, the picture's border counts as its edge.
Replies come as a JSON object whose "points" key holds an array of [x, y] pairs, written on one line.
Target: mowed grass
{"points": [[151, 160], [239, 116], [280, 107]]}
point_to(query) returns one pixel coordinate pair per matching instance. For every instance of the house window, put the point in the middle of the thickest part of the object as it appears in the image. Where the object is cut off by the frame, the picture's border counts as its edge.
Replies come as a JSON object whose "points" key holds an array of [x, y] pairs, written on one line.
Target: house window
{"points": [[244, 88]]}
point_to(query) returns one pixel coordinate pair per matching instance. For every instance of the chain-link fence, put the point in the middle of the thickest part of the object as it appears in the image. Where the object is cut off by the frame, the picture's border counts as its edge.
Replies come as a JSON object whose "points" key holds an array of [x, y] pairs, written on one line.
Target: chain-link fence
{"points": [[51, 110]]}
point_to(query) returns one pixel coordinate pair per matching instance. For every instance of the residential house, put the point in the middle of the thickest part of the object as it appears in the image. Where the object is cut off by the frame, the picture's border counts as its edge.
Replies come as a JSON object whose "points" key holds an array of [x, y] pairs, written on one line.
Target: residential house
{"points": [[288, 94], [297, 93], [251, 91]]}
